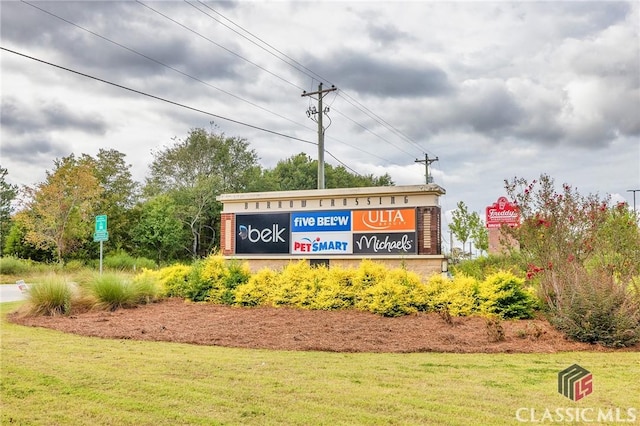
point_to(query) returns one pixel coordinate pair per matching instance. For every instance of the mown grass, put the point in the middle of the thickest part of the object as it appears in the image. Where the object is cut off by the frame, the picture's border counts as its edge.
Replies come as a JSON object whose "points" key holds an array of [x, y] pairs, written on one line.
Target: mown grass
{"points": [[48, 377]]}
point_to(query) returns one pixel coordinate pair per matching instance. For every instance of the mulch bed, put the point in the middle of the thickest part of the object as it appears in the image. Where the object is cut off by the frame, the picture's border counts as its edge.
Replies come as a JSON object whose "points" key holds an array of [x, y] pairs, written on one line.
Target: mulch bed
{"points": [[175, 320]]}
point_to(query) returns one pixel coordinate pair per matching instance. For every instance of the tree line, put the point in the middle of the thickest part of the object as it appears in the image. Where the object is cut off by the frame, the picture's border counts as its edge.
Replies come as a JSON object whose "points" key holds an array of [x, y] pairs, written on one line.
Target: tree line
{"points": [[173, 215]]}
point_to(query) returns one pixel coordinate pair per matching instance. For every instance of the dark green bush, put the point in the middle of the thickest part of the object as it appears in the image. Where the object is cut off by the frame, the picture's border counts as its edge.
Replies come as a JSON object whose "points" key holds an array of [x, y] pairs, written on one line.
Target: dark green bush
{"points": [[594, 308], [122, 261]]}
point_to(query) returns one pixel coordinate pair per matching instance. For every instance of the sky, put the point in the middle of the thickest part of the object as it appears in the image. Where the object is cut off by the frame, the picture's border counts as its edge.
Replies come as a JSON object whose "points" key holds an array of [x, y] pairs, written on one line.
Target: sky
{"points": [[493, 90]]}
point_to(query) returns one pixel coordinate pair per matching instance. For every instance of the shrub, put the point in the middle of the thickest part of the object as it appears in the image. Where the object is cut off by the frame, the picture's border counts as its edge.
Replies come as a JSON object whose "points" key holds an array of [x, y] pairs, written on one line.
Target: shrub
{"points": [[173, 280], [583, 254], [335, 289], [123, 261], [595, 309], [13, 266], [295, 286], [236, 274], [197, 286], [255, 291], [388, 297], [215, 279], [457, 296], [504, 295], [52, 296], [112, 291]]}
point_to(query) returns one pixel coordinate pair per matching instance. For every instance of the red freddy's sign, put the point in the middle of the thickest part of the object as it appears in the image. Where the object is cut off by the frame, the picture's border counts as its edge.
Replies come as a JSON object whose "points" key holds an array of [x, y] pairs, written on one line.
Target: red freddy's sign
{"points": [[502, 212]]}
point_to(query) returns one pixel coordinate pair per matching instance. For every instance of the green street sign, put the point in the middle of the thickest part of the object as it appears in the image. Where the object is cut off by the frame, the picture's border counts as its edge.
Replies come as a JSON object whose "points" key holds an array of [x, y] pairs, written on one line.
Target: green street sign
{"points": [[101, 236], [101, 233], [101, 223]]}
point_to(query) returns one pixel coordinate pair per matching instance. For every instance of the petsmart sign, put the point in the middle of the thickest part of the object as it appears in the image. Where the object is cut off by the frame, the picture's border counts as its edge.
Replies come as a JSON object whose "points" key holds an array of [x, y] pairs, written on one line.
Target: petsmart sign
{"points": [[321, 243]]}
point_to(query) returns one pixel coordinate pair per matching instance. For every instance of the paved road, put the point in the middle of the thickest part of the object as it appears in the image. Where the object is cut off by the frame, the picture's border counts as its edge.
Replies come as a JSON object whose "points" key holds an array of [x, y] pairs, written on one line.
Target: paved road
{"points": [[10, 293]]}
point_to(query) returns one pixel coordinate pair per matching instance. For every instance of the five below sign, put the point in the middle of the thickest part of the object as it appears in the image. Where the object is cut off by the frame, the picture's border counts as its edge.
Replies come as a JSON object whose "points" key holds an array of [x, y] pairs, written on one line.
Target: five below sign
{"points": [[101, 233]]}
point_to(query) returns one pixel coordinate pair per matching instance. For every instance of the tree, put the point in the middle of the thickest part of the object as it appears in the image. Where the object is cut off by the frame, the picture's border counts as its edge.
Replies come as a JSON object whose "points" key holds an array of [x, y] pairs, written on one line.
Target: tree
{"points": [[462, 224], [8, 193], [300, 172], [193, 172], [119, 194], [479, 233], [159, 228], [58, 211], [583, 254], [15, 243]]}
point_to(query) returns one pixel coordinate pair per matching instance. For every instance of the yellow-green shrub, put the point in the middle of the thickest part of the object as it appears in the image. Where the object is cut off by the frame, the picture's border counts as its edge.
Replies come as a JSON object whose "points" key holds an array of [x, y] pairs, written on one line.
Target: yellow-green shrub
{"points": [[457, 296], [334, 289], [503, 294], [296, 286], [256, 290], [388, 297], [173, 280]]}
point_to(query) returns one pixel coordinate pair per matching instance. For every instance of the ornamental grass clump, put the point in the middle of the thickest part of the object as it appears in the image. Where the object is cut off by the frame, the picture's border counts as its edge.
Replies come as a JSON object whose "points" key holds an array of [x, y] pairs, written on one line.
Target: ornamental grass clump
{"points": [[52, 296], [113, 291]]}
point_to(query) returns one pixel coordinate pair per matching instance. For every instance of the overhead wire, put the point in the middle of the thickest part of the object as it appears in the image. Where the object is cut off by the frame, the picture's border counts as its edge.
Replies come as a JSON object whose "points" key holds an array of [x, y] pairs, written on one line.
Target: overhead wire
{"points": [[164, 64], [295, 64], [157, 97], [240, 56], [262, 129], [180, 72], [280, 78], [303, 69]]}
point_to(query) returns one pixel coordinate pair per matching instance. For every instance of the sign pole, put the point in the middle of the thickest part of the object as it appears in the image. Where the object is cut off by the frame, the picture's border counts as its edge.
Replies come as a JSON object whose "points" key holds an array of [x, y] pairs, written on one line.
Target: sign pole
{"points": [[100, 257]]}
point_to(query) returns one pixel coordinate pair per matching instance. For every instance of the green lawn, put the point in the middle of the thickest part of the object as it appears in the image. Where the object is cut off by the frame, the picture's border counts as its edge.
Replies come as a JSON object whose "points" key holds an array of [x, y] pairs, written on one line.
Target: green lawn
{"points": [[51, 378]]}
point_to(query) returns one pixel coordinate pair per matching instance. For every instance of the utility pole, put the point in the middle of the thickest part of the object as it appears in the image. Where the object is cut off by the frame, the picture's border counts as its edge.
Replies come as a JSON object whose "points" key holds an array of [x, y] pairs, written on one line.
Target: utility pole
{"points": [[427, 162], [634, 197], [311, 113]]}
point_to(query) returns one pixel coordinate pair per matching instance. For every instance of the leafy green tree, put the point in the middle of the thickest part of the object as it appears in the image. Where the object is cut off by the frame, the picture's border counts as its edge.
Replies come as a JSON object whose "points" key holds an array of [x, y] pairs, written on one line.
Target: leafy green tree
{"points": [[159, 231], [300, 172], [119, 195], [16, 245], [8, 193], [58, 211], [193, 172], [462, 224], [479, 233]]}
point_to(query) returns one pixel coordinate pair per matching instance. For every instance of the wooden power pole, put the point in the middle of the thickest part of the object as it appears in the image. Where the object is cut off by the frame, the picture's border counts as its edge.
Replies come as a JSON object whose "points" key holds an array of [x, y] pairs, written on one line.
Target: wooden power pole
{"points": [[311, 113]]}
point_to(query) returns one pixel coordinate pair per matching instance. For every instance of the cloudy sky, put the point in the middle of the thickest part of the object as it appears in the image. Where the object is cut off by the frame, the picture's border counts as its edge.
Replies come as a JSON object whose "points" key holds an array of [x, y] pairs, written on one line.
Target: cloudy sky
{"points": [[494, 90]]}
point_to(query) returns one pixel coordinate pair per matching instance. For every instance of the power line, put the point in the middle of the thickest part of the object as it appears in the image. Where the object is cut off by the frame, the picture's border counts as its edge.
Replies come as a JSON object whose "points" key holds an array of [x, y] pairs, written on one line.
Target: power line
{"points": [[219, 45], [297, 65], [164, 65], [172, 102], [157, 97], [222, 90], [313, 75]]}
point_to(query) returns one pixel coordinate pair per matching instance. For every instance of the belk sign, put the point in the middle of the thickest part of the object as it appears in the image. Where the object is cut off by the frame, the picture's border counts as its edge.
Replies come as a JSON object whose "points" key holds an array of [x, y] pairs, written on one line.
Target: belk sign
{"points": [[502, 212]]}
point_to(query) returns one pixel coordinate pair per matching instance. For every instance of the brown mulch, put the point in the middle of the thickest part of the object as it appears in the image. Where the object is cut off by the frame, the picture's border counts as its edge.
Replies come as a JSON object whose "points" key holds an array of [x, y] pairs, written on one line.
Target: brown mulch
{"points": [[174, 320]]}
